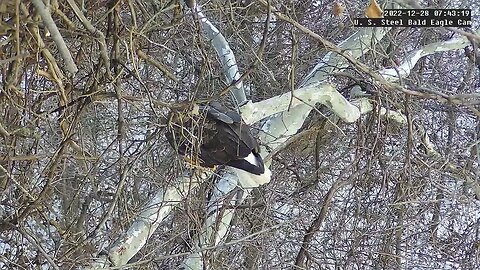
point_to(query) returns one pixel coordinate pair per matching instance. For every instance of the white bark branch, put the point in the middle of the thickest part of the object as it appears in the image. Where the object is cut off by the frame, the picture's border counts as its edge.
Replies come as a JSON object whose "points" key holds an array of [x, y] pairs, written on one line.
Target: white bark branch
{"points": [[225, 54], [356, 45], [276, 132], [218, 222], [150, 218], [309, 96], [56, 36], [94, 31], [402, 71]]}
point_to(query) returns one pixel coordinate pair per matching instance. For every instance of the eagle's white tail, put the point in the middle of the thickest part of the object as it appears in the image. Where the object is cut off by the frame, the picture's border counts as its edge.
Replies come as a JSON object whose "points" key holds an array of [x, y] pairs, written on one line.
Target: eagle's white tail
{"points": [[249, 180]]}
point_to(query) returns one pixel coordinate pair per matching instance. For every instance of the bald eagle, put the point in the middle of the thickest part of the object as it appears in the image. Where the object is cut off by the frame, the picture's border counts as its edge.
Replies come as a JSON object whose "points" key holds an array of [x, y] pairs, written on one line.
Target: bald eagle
{"points": [[211, 135]]}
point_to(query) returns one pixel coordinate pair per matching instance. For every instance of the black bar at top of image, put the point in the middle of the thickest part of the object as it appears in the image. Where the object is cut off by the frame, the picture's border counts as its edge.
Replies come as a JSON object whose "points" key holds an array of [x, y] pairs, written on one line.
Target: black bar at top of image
{"points": [[430, 13]]}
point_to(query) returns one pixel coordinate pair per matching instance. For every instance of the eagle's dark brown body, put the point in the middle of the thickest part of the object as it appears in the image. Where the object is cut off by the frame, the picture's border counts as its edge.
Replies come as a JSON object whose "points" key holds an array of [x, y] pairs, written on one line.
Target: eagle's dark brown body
{"points": [[215, 135]]}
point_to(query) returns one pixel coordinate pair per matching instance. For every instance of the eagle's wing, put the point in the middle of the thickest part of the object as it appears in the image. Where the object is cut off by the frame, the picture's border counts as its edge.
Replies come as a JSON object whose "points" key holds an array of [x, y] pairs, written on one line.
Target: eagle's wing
{"points": [[217, 111], [230, 129], [229, 142], [218, 136], [248, 154]]}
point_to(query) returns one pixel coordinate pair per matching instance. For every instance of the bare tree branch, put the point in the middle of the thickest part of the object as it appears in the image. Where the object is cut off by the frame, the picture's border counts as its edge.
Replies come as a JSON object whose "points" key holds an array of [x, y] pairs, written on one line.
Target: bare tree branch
{"points": [[56, 36]]}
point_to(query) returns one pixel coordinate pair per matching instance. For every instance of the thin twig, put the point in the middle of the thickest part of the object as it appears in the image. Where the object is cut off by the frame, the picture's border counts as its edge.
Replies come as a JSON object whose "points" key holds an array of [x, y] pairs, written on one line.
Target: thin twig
{"points": [[158, 65], [96, 32], [18, 184], [34, 241]]}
